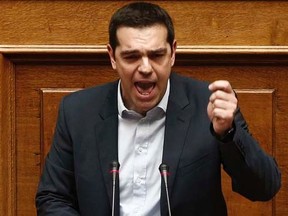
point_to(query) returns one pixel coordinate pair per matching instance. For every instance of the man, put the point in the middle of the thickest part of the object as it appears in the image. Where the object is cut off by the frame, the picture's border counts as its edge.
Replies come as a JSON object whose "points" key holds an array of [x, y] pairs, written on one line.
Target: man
{"points": [[151, 116]]}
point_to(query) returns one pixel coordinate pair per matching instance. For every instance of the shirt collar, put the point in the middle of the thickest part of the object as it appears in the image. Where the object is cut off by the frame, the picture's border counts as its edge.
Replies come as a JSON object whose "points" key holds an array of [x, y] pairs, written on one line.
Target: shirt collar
{"points": [[162, 104]]}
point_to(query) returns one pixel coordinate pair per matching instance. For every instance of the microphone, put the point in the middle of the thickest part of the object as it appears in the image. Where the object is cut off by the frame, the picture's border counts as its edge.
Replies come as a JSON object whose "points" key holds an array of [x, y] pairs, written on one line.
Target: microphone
{"points": [[164, 170], [114, 171]]}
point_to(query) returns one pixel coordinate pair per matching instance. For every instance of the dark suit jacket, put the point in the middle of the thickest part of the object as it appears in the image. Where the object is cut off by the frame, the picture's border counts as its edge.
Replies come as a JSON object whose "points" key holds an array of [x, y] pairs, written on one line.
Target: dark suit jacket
{"points": [[76, 178]]}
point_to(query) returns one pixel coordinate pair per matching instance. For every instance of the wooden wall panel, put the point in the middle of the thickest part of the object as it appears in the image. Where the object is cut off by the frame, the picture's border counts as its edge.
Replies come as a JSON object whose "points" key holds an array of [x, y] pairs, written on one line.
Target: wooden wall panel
{"points": [[38, 79], [196, 22], [50, 99]]}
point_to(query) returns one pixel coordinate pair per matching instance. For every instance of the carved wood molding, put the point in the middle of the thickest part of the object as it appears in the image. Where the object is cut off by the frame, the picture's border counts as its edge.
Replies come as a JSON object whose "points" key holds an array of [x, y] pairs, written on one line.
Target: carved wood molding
{"points": [[7, 137], [186, 55]]}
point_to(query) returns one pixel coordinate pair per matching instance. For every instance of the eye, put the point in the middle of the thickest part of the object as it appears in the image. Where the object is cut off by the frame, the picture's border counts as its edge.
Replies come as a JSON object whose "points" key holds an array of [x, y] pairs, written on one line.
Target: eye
{"points": [[156, 55], [130, 57]]}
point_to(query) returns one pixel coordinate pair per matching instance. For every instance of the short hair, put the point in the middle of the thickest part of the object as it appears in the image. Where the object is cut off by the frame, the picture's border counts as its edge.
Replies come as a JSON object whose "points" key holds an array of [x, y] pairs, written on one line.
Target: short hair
{"points": [[139, 15]]}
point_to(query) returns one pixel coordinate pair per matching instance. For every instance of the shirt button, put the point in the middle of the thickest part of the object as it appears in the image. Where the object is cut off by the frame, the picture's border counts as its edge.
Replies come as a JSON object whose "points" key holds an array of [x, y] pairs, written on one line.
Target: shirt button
{"points": [[138, 181], [140, 149]]}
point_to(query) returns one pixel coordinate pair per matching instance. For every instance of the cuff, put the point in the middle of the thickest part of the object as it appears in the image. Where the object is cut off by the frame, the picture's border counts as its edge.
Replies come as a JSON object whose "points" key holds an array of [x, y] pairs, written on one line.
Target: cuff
{"points": [[227, 137]]}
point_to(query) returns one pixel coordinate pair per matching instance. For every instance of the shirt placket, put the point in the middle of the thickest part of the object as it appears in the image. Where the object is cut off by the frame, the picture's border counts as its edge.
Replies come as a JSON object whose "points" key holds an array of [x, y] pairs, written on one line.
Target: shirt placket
{"points": [[140, 166]]}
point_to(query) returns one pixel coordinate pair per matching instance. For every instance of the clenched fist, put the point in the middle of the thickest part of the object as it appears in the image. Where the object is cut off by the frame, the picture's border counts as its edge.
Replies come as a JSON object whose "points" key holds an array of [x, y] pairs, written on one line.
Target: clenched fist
{"points": [[222, 106]]}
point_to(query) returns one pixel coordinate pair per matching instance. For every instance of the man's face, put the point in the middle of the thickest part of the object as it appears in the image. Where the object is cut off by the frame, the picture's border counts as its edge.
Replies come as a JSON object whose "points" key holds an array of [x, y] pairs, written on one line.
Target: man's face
{"points": [[143, 60]]}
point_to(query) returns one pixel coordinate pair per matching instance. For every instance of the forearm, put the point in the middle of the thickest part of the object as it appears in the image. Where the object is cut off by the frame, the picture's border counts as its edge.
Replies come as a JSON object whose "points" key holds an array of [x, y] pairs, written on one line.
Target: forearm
{"points": [[254, 173]]}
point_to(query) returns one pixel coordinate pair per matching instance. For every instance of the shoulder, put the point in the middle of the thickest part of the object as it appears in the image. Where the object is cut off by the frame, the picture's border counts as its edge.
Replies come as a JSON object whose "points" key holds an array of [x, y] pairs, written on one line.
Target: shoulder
{"points": [[90, 95], [89, 101]]}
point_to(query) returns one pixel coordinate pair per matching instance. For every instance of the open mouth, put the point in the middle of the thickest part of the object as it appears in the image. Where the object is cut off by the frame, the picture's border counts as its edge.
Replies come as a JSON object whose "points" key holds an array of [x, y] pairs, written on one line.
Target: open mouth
{"points": [[144, 88]]}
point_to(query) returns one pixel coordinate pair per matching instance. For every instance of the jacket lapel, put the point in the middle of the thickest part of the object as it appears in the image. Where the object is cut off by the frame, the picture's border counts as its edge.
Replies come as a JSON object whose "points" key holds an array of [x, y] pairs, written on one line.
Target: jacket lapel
{"points": [[107, 141], [178, 116]]}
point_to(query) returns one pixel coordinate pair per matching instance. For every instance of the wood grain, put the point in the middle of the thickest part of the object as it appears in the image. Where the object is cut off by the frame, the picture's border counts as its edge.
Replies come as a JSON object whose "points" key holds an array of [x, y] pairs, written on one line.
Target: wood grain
{"points": [[196, 22], [7, 137]]}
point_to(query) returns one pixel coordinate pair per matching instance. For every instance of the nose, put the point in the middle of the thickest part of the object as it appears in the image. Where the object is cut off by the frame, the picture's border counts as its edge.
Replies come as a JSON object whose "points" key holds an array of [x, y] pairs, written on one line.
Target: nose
{"points": [[145, 66]]}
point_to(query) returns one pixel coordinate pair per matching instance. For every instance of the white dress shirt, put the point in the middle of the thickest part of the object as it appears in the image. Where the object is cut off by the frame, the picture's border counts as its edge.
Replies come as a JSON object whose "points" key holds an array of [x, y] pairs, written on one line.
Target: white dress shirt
{"points": [[140, 144]]}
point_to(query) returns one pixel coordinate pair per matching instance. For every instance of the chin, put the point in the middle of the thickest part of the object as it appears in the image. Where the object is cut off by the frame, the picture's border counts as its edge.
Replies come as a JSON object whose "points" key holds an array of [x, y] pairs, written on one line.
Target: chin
{"points": [[147, 108]]}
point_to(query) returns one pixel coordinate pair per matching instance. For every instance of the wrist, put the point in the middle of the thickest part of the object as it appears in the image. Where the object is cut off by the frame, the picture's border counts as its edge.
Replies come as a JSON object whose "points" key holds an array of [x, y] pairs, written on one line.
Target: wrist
{"points": [[227, 136]]}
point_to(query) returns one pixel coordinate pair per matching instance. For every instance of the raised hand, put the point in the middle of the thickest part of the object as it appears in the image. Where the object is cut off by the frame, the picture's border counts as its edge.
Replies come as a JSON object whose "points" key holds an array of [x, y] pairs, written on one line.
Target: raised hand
{"points": [[222, 106]]}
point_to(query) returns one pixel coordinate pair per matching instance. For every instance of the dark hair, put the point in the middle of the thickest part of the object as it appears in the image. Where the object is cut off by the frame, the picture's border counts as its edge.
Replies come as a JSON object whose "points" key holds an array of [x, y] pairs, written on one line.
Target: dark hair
{"points": [[139, 15]]}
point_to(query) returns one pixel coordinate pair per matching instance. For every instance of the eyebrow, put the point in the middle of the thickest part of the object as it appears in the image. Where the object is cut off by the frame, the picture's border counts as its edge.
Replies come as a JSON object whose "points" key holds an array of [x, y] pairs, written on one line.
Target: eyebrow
{"points": [[160, 50], [128, 52]]}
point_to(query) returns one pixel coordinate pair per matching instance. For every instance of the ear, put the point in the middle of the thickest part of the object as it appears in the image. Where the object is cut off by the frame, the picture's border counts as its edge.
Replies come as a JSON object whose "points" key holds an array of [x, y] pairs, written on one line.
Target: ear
{"points": [[111, 55], [173, 51]]}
